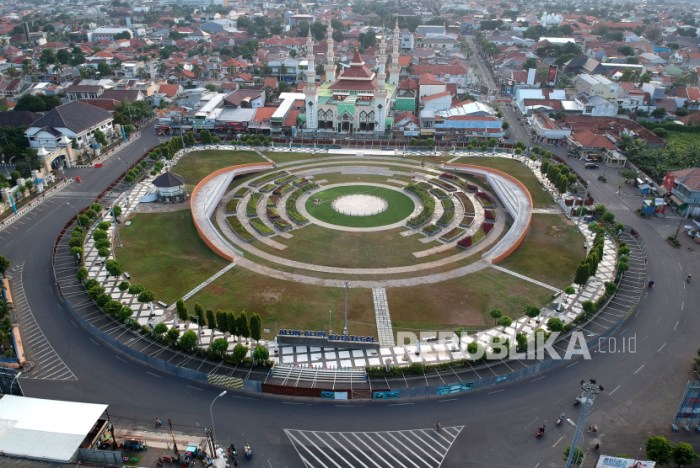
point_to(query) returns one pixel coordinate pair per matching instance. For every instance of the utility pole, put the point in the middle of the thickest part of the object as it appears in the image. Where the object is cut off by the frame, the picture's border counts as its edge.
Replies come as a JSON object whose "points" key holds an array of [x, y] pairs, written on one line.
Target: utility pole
{"points": [[590, 390], [345, 329], [175, 451]]}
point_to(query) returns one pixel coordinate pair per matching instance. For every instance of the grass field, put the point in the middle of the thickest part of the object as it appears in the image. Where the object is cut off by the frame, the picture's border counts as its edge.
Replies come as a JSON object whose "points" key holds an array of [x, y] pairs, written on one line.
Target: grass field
{"points": [[285, 304], [321, 246], [551, 251], [463, 302], [199, 164], [540, 198], [163, 252], [284, 157], [400, 206]]}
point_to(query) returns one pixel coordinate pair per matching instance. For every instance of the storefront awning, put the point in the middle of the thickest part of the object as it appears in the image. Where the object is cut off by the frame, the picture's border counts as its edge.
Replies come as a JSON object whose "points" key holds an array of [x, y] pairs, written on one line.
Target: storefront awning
{"points": [[677, 201]]}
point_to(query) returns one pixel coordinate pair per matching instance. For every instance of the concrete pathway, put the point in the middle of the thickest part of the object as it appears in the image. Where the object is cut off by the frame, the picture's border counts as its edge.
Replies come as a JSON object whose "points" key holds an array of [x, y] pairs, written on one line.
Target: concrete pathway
{"points": [[205, 283], [385, 332], [526, 278]]}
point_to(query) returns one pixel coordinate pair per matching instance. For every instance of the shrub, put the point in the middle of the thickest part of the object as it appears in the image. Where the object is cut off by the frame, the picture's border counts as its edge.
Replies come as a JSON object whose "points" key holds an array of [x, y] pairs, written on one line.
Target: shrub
{"points": [[123, 286]]}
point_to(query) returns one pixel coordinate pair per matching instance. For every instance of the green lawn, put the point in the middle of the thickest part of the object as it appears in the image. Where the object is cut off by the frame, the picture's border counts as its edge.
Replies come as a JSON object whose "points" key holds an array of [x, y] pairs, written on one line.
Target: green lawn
{"points": [[284, 157], [518, 170], [463, 302], [286, 304], [163, 252], [551, 251], [199, 164], [328, 247], [320, 206]]}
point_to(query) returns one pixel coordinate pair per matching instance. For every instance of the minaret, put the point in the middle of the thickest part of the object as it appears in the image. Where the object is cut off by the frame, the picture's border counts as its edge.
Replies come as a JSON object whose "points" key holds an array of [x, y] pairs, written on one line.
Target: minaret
{"points": [[380, 101], [330, 57], [310, 94], [381, 61], [394, 68]]}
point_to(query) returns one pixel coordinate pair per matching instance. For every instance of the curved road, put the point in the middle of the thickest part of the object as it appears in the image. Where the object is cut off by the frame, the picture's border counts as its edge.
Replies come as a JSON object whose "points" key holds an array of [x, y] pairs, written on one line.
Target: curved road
{"points": [[642, 387]]}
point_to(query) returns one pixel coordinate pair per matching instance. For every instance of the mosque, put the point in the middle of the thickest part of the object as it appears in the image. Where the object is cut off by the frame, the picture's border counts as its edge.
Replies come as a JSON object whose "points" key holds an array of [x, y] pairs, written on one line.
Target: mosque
{"points": [[356, 102]]}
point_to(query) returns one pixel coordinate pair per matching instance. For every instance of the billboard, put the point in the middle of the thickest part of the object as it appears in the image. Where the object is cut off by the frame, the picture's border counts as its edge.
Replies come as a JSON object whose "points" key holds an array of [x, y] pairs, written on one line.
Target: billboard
{"points": [[552, 74]]}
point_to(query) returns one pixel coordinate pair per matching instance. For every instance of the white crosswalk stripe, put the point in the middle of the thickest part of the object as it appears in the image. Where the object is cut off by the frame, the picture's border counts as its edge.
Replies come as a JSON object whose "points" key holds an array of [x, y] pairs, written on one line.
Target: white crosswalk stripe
{"points": [[415, 448]]}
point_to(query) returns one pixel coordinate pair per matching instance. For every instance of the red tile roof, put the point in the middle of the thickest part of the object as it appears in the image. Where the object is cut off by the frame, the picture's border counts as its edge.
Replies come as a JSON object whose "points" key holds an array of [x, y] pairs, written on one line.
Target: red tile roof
{"points": [[352, 85], [263, 114], [427, 79], [588, 139], [689, 177], [436, 96]]}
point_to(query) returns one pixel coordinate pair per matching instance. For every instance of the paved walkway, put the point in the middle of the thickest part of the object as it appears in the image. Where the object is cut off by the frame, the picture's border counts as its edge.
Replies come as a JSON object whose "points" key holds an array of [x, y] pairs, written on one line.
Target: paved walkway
{"points": [[526, 278], [205, 283], [385, 331]]}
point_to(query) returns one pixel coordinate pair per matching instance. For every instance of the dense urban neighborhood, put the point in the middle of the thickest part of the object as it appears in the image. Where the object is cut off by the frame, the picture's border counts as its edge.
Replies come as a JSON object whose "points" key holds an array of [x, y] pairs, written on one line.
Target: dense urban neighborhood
{"points": [[609, 80]]}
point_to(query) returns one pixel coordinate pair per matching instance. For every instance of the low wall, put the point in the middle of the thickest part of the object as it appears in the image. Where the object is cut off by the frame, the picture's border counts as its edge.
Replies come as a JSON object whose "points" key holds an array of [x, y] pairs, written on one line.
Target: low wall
{"points": [[521, 238], [238, 170]]}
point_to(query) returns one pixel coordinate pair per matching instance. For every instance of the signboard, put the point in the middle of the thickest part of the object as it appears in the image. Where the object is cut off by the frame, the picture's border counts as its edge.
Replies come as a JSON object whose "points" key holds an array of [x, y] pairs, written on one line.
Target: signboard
{"points": [[455, 388], [385, 395], [606, 461], [689, 409], [290, 332], [552, 74]]}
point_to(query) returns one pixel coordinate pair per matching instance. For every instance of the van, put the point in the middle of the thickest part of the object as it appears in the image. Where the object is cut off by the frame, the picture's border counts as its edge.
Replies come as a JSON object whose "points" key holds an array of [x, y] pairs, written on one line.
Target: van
{"points": [[591, 165]]}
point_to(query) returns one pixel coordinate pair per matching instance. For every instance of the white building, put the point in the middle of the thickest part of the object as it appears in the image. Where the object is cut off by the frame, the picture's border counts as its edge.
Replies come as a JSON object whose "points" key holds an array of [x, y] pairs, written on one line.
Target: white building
{"points": [[547, 20], [107, 34]]}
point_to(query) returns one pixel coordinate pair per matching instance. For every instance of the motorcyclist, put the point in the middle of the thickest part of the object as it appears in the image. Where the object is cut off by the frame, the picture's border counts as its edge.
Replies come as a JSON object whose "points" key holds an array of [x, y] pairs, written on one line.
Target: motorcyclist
{"points": [[689, 278]]}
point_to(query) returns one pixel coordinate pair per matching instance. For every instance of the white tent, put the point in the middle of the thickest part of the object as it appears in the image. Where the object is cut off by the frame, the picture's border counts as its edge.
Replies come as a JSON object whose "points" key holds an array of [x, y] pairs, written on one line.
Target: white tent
{"points": [[48, 430]]}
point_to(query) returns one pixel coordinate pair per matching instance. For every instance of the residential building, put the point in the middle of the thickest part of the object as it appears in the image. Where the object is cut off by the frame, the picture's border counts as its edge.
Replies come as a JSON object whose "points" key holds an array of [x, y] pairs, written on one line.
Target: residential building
{"points": [[683, 187], [597, 85]]}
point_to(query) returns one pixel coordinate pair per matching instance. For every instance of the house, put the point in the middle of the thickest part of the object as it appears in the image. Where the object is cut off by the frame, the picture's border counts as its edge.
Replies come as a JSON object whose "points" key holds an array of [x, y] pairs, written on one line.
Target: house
{"points": [[548, 130], [11, 88], [245, 98], [107, 34], [591, 143], [71, 125], [406, 124], [597, 85], [467, 120], [683, 187], [596, 106]]}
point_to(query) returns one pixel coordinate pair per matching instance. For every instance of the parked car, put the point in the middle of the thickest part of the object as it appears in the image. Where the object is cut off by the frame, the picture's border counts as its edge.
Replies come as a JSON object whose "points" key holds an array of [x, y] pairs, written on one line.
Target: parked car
{"points": [[591, 165]]}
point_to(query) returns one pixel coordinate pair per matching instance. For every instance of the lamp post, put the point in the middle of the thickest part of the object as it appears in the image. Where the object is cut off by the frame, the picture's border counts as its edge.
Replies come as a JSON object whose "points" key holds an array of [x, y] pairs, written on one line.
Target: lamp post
{"points": [[77, 214], [12, 384], [345, 328], [211, 415], [590, 390], [583, 203]]}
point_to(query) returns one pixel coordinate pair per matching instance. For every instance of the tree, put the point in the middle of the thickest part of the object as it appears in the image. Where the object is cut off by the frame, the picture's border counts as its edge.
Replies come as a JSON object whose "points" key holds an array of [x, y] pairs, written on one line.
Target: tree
{"points": [[683, 454], [243, 326], [4, 265], [659, 449], [199, 312], [239, 352], [578, 455], [531, 311], [222, 321], [496, 314], [146, 297], [255, 327], [219, 346], [505, 322], [104, 69], [100, 137], [123, 35], [260, 354], [160, 329], [211, 320], [530, 63], [181, 310], [188, 341], [30, 102], [658, 113], [555, 324], [582, 274]]}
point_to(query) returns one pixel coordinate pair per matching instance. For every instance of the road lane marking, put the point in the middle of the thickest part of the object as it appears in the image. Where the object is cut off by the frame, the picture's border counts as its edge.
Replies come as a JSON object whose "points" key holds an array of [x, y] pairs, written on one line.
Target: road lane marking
{"points": [[496, 391], [121, 359], [614, 390], [558, 440], [194, 388], [400, 404], [675, 326], [662, 347], [640, 368], [154, 375]]}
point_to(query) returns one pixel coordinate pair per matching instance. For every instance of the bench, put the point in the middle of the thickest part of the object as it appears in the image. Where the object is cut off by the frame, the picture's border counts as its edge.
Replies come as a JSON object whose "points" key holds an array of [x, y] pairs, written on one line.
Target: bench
{"points": [[162, 304]]}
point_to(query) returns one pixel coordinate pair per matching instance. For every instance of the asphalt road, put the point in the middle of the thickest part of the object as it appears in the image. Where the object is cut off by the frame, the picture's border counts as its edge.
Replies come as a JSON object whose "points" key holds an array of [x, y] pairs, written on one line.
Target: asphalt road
{"points": [[642, 388]]}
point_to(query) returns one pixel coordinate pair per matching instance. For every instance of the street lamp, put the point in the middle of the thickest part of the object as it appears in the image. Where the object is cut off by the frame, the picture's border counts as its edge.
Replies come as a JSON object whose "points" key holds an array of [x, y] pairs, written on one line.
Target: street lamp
{"points": [[590, 390], [211, 415], [583, 203], [345, 328], [77, 214], [13, 383]]}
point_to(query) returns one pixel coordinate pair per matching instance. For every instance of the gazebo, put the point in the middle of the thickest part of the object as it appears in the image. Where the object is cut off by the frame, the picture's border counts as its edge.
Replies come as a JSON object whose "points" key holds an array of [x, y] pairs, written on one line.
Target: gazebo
{"points": [[170, 188]]}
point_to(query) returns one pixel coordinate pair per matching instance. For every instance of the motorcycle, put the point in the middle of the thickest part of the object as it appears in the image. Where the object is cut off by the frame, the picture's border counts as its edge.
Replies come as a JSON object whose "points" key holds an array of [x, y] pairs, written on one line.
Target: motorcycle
{"points": [[248, 451], [540, 432], [560, 420]]}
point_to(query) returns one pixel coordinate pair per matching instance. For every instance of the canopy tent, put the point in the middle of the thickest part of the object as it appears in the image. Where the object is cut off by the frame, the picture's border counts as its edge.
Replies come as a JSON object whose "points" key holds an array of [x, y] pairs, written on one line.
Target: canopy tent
{"points": [[49, 430]]}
